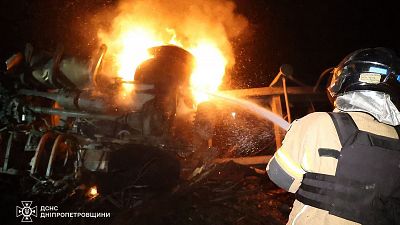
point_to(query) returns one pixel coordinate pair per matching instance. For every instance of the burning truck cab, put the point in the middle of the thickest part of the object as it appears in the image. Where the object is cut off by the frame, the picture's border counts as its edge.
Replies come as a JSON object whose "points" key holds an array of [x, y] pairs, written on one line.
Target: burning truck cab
{"points": [[66, 125]]}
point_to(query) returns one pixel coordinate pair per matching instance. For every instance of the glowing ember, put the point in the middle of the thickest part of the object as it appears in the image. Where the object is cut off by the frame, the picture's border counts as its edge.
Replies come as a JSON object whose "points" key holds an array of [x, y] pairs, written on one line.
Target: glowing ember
{"points": [[92, 192]]}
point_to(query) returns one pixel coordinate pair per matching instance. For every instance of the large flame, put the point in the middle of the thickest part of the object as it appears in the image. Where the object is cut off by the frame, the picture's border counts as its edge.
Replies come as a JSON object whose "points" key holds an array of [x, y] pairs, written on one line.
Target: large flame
{"points": [[209, 70], [209, 67], [144, 24], [133, 51]]}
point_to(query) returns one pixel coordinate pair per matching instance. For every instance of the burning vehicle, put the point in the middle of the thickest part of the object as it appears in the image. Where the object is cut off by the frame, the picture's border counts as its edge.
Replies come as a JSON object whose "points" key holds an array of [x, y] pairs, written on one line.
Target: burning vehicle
{"points": [[67, 126]]}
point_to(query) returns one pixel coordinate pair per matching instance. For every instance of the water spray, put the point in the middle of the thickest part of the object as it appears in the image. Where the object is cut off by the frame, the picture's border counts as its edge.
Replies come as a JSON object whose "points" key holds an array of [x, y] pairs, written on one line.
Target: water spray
{"points": [[250, 106]]}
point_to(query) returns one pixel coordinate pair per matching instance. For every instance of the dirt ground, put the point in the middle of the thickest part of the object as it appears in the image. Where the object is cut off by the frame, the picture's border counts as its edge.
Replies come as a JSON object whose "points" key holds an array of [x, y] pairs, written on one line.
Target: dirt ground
{"points": [[225, 194]]}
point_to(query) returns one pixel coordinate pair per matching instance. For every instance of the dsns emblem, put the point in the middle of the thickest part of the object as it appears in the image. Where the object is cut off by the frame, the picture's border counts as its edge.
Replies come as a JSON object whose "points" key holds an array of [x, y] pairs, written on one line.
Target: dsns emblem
{"points": [[26, 211]]}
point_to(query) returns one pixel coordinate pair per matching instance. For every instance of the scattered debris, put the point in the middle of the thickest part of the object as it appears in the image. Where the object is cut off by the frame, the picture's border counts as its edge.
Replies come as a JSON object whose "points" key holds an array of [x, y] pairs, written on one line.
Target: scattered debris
{"points": [[227, 193]]}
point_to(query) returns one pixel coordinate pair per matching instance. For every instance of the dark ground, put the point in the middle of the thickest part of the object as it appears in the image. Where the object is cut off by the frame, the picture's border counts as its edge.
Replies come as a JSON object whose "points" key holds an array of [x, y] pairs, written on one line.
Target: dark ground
{"points": [[226, 193]]}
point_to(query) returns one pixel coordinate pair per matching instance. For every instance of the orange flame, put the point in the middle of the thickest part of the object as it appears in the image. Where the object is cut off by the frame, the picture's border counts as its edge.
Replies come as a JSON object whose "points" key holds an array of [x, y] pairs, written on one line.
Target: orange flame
{"points": [[144, 24], [92, 193], [209, 70]]}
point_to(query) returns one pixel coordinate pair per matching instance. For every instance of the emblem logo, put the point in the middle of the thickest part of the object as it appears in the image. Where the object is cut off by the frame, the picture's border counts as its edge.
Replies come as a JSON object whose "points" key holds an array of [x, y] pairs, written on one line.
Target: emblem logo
{"points": [[26, 211]]}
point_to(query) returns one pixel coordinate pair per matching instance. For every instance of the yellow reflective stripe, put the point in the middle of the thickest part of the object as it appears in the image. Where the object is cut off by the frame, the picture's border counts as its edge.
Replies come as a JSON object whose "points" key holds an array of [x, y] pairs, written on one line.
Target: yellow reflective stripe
{"points": [[305, 162], [289, 165], [298, 214]]}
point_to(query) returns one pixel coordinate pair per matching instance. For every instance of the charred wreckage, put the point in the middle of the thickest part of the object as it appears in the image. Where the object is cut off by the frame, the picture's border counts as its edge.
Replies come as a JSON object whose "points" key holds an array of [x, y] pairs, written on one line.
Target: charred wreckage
{"points": [[65, 130]]}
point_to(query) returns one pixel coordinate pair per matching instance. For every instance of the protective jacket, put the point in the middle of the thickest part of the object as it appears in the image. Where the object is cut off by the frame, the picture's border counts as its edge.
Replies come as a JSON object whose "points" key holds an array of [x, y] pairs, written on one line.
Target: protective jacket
{"points": [[341, 173]]}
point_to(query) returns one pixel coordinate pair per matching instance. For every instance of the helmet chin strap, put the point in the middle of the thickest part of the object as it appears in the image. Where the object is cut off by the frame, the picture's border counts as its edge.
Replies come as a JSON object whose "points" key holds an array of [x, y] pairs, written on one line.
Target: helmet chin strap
{"points": [[377, 104]]}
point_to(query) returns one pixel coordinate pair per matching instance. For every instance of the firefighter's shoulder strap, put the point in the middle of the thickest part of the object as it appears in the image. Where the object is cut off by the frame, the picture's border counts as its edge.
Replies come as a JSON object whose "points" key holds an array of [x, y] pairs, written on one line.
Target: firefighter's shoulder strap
{"points": [[398, 131], [345, 126]]}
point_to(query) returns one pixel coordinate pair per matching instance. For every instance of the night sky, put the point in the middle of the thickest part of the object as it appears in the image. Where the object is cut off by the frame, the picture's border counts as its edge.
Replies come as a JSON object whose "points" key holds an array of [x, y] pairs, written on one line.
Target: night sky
{"points": [[310, 35]]}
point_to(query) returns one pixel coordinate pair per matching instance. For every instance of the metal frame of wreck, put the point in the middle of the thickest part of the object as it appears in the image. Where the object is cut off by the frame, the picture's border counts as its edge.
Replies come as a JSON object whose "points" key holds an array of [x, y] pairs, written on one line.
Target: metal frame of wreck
{"points": [[297, 94]]}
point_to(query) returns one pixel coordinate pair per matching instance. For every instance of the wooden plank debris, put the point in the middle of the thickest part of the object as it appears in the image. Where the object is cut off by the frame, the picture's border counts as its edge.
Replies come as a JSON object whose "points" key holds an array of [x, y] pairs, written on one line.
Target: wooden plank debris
{"points": [[249, 160]]}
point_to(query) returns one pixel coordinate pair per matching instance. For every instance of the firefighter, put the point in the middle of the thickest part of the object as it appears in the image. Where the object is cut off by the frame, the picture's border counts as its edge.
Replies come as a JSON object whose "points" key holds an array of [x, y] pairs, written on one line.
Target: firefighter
{"points": [[344, 166]]}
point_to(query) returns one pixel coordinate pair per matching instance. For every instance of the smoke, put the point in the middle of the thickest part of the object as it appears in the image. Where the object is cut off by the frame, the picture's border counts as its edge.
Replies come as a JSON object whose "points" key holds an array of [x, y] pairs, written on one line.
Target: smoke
{"points": [[187, 22]]}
